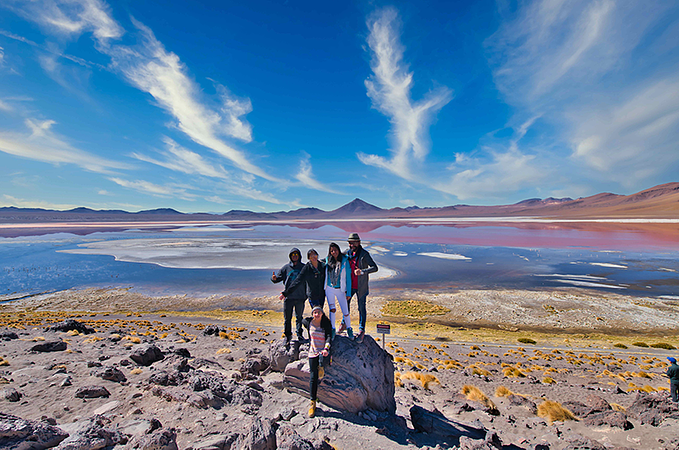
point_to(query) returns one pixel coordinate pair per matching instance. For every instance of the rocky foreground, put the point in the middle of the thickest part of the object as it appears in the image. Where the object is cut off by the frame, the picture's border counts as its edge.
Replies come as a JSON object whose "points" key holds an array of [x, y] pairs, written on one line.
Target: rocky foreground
{"points": [[156, 382]]}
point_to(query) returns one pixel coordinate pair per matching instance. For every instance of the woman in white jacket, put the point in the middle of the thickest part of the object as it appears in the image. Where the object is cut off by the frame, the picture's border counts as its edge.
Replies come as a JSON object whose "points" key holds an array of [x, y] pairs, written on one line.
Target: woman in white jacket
{"points": [[338, 287]]}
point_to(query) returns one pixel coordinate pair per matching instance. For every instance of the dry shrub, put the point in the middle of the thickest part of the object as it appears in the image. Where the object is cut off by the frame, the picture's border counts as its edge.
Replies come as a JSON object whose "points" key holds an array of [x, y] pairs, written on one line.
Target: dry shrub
{"points": [[548, 380], [553, 411], [617, 407], [526, 341], [73, 333], [425, 378], [475, 347], [481, 372], [221, 351], [642, 375], [92, 340], [475, 394], [640, 344], [231, 335], [397, 379], [512, 372], [503, 391], [664, 345], [3, 362], [619, 345], [136, 371], [38, 339]]}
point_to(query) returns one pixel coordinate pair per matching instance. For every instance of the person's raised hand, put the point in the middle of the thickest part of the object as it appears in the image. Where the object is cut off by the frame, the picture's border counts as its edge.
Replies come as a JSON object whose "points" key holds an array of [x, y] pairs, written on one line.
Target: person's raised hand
{"points": [[273, 276]]}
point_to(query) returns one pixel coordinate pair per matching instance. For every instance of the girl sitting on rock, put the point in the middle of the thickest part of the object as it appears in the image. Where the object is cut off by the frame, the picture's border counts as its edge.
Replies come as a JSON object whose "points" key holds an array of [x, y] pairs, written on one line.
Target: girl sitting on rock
{"points": [[320, 337]]}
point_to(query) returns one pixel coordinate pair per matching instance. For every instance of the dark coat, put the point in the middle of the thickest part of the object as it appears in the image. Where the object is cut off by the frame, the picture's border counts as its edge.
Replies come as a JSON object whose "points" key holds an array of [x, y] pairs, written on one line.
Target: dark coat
{"points": [[288, 274], [325, 324], [367, 265], [315, 282], [673, 373]]}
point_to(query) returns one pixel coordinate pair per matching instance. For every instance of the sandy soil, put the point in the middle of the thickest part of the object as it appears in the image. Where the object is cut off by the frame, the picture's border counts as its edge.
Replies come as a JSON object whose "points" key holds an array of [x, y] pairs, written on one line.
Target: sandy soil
{"points": [[569, 350]]}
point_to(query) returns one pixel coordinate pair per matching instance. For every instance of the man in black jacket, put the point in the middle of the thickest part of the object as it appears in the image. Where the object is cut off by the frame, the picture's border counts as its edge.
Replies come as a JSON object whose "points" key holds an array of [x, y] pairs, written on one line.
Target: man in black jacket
{"points": [[295, 300], [361, 264], [312, 276]]}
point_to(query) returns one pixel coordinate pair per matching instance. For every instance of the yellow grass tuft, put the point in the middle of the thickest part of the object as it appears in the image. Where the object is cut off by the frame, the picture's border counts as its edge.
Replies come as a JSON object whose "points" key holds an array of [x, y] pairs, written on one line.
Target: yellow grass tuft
{"points": [[512, 372], [503, 391], [475, 394], [73, 333], [136, 371], [425, 378], [617, 407], [38, 339], [553, 411], [222, 351], [397, 379], [548, 380], [3, 362], [92, 340]]}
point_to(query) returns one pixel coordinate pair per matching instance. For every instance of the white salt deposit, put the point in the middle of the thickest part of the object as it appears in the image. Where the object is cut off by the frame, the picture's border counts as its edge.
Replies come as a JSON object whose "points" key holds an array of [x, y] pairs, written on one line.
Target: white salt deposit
{"points": [[611, 265], [588, 284], [400, 254], [451, 256]]}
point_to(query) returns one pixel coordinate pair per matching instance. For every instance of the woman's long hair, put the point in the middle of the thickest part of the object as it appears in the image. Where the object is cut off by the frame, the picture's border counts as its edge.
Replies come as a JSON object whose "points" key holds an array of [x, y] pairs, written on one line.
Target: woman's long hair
{"points": [[332, 262]]}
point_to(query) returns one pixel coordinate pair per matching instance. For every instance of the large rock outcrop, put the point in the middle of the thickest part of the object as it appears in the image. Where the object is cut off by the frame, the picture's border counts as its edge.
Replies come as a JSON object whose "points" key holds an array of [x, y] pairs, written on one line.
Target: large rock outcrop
{"points": [[361, 377], [17, 433]]}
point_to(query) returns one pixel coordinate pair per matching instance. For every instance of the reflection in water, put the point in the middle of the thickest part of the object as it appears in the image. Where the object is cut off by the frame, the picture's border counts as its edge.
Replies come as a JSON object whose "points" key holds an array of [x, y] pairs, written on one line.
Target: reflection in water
{"points": [[207, 259]]}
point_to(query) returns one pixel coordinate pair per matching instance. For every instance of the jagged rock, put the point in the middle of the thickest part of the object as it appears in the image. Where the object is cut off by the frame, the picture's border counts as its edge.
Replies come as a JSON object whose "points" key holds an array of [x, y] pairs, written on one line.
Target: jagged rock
{"points": [[211, 330], [260, 436], [19, 434], [70, 325], [163, 378], [254, 365], [67, 381], [226, 389], [91, 434], [110, 374], [175, 363], [282, 354], [202, 400], [92, 392], [162, 439], [7, 335], [653, 408], [361, 376], [183, 352], [288, 439], [490, 442], [10, 394], [146, 354], [436, 423], [200, 363], [139, 427], [518, 400], [616, 419], [50, 346], [596, 404], [577, 408]]}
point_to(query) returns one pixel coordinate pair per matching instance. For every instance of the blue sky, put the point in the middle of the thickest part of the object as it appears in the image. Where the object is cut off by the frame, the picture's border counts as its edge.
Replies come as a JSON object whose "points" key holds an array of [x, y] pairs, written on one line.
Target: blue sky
{"points": [[274, 105]]}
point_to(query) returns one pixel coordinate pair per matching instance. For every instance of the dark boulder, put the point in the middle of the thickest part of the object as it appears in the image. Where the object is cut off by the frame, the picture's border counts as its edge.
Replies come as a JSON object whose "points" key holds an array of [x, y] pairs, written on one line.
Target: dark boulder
{"points": [[92, 392], [360, 377], [161, 439], [519, 400], [281, 353], [11, 394], [146, 354], [70, 325], [6, 335], [110, 374], [92, 433], [17, 433], [50, 346]]}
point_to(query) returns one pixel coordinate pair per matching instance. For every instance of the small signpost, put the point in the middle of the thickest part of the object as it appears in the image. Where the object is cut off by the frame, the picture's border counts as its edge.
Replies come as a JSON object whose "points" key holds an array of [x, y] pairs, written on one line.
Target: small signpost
{"points": [[383, 329]]}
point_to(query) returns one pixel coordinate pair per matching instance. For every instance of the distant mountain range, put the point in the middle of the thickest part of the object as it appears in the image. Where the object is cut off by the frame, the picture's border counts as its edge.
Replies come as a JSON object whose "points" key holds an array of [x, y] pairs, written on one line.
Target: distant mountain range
{"points": [[659, 202]]}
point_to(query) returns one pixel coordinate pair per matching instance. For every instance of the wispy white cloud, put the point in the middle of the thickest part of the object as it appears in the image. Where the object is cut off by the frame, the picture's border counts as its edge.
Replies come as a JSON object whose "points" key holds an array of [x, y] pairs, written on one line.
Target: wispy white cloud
{"points": [[389, 89], [42, 144], [306, 176], [165, 190], [505, 172], [632, 138], [70, 18], [153, 69], [603, 74], [4, 106]]}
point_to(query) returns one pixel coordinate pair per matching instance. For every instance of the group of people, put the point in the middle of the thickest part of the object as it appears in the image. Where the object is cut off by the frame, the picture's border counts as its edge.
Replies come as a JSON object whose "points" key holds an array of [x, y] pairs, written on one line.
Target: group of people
{"points": [[337, 278]]}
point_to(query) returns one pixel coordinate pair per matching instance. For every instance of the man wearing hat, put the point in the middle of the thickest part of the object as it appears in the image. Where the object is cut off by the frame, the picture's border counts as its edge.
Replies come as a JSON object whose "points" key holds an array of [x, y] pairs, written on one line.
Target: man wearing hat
{"points": [[361, 264], [673, 375]]}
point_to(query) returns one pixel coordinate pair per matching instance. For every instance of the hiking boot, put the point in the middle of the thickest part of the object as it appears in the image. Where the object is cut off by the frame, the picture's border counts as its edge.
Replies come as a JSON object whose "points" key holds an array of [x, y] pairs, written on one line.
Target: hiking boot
{"points": [[361, 335], [343, 327], [321, 373], [350, 333], [312, 409]]}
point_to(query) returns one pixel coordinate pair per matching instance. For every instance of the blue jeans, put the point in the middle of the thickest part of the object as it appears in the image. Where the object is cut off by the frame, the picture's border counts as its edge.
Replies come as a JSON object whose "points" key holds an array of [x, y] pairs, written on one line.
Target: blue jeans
{"points": [[361, 309]]}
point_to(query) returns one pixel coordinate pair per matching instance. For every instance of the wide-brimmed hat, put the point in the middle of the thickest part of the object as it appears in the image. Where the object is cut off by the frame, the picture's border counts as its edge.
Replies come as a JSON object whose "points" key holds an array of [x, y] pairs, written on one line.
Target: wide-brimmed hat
{"points": [[354, 237]]}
